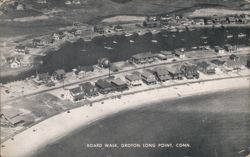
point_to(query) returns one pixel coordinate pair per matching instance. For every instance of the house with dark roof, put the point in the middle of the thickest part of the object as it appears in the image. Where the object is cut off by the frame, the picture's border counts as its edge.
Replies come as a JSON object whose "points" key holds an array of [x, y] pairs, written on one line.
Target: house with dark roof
{"points": [[161, 74], [148, 77], [89, 89], [175, 72], [190, 71], [76, 94], [218, 49], [234, 57], [218, 62], [142, 58], [59, 74], [98, 29], [119, 85], [133, 80], [104, 87], [180, 53], [21, 49], [205, 68]]}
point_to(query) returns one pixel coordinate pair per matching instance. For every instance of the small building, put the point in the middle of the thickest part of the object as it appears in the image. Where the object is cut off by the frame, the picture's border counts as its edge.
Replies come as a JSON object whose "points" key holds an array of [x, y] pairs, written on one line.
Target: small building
{"points": [[209, 22], [14, 62], [119, 85], [218, 49], [142, 58], [233, 64], [218, 62], [162, 74], [13, 116], [175, 72], [43, 77], [198, 21], [103, 62], [21, 49], [180, 53], [133, 80], [75, 32], [104, 87], [205, 68], [40, 42], [229, 48], [190, 71], [231, 20], [234, 57], [98, 29], [148, 77], [161, 56], [243, 20], [56, 36], [89, 90], [151, 23], [76, 94], [168, 54], [118, 28], [59, 74]]}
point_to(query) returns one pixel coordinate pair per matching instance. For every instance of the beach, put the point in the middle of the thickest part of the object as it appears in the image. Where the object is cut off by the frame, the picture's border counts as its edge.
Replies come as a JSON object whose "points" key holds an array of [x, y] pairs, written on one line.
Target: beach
{"points": [[211, 124], [29, 141]]}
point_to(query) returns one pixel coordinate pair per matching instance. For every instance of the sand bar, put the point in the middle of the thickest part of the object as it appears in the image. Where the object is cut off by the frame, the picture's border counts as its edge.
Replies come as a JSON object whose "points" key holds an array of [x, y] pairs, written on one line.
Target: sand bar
{"points": [[54, 128]]}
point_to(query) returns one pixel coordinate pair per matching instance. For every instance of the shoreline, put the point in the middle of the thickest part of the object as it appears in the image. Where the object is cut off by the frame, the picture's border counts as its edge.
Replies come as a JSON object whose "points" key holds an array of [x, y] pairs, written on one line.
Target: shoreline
{"points": [[52, 129], [15, 73]]}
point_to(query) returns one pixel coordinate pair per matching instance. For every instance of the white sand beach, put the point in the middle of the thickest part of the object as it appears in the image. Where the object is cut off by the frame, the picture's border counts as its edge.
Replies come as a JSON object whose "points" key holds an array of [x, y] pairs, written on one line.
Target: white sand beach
{"points": [[54, 128]]}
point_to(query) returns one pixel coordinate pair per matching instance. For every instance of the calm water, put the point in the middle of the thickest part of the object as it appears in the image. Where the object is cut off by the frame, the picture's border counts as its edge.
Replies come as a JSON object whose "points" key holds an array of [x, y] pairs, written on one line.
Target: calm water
{"points": [[214, 125], [72, 55]]}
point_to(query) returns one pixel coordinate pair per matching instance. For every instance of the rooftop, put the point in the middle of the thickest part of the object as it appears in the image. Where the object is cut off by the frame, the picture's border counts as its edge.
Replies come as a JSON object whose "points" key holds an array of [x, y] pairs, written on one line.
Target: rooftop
{"points": [[60, 72], [174, 69], [118, 82], [161, 71], [87, 86], [146, 73], [103, 84], [143, 55], [76, 90], [132, 77]]}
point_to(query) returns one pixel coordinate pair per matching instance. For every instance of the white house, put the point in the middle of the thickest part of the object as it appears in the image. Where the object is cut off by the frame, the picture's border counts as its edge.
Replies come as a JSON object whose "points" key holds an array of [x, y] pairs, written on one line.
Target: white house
{"points": [[133, 80]]}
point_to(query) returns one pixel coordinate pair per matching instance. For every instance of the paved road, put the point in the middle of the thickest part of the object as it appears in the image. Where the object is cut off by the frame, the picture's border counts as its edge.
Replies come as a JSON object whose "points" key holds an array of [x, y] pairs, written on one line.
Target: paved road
{"points": [[106, 75]]}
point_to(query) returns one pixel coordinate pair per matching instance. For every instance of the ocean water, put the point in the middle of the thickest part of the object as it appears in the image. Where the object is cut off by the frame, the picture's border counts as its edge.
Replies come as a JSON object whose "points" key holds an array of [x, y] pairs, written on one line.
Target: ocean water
{"points": [[211, 125]]}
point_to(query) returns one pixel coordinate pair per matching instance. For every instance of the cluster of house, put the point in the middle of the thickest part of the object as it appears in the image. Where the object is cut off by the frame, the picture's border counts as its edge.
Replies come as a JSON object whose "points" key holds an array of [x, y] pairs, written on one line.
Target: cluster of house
{"points": [[107, 29], [158, 21], [152, 76], [47, 79], [148, 76]]}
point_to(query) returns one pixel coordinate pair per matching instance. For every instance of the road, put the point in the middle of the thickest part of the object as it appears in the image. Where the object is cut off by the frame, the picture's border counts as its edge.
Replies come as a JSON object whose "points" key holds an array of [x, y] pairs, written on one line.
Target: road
{"points": [[106, 75]]}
